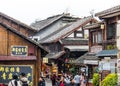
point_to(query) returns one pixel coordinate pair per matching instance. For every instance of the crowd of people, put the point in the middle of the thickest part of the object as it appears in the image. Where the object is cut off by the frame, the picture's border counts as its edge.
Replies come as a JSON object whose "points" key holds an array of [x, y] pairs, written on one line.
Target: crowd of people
{"points": [[63, 80], [69, 80], [23, 81]]}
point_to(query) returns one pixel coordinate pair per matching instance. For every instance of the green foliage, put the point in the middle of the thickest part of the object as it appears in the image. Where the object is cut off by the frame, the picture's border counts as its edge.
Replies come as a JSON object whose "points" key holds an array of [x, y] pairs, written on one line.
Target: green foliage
{"points": [[110, 80], [95, 79]]}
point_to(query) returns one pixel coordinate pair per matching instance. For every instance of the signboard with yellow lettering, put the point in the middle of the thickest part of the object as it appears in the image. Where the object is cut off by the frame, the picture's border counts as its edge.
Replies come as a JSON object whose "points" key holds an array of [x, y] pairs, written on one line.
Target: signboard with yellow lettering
{"points": [[19, 50], [6, 72]]}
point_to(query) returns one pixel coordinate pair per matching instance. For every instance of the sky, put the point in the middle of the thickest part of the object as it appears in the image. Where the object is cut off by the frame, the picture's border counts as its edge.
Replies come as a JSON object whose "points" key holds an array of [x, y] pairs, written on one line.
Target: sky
{"points": [[28, 11]]}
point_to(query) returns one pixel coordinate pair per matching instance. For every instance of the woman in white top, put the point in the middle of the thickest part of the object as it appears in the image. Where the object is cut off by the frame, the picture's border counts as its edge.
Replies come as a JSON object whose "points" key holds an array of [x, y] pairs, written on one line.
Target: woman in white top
{"points": [[14, 81]]}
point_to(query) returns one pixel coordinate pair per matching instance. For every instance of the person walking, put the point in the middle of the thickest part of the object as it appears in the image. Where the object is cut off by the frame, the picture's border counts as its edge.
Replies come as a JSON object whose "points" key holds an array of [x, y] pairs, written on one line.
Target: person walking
{"points": [[83, 80], [24, 79], [77, 79], [53, 79], [67, 80], [14, 81], [41, 82]]}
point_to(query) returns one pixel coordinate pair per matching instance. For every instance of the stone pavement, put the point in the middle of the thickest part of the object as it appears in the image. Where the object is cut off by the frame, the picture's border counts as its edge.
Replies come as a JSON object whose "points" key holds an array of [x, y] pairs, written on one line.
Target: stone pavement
{"points": [[48, 82]]}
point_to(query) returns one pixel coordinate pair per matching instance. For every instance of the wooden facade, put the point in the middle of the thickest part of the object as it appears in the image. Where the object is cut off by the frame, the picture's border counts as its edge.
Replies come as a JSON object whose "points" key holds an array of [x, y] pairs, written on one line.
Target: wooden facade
{"points": [[16, 50], [103, 40]]}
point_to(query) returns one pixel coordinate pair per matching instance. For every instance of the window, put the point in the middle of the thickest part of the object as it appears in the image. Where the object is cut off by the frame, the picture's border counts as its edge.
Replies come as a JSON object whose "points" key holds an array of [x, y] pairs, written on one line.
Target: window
{"points": [[96, 37], [99, 37], [79, 35], [111, 31]]}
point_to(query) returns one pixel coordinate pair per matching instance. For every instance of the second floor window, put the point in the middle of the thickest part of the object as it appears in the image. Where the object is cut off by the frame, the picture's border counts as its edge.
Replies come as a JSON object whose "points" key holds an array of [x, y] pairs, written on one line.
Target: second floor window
{"points": [[111, 33], [96, 37]]}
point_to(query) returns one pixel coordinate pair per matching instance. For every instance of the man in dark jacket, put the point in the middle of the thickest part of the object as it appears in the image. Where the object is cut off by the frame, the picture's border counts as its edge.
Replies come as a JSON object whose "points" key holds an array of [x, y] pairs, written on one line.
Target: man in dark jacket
{"points": [[41, 82]]}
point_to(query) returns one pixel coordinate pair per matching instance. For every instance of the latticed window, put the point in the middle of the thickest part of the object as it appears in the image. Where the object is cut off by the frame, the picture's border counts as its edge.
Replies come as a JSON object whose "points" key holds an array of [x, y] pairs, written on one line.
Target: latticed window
{"points": [[111, 33], [96, 37]]}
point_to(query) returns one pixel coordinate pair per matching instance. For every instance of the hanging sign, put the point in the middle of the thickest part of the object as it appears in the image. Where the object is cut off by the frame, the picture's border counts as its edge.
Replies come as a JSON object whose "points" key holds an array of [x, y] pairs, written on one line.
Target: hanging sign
{"points": [[19, 50], [45, 60]]}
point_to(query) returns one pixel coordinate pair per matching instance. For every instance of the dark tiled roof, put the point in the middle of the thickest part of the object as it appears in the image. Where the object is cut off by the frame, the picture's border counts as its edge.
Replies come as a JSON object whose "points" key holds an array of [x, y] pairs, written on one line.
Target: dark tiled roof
{"points": [[16, 21], [94, 25], [75, 41], [55, 55], [108, 11], [107, 53], [59, 29], [39, 25], [67, 31], [86, 56], [21, 35]]}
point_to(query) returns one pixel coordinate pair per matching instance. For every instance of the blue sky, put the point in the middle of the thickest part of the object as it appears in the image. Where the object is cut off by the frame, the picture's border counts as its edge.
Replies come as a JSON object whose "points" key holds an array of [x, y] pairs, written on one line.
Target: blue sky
{"points": [[27, 11]]}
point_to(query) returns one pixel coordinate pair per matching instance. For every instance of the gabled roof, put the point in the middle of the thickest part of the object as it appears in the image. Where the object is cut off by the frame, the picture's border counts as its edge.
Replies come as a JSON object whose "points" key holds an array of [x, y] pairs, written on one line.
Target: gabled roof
{"points": [[55, 55], [94, 25], [39, 25], [16, 21], [86, 56], [23, 36], [54, 37], [74, 41], [112, 11]]}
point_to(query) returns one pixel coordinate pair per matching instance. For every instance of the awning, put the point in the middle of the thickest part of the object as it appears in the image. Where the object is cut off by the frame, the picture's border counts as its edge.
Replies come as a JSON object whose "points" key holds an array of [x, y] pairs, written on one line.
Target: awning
{"points": [[78, 48], [87, 56], [54, 55], [17, 58], [107, 53]]}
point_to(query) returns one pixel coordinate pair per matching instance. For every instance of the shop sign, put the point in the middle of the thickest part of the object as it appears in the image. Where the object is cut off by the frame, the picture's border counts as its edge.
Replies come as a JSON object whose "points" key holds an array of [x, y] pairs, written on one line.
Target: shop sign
{"points": [[45, 60], [7, 71], [19, 50], [92, 62]]}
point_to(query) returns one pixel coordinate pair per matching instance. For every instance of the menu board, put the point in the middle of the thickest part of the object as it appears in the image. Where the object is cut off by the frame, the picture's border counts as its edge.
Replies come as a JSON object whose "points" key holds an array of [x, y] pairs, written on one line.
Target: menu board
{"points": [[7, 71]]}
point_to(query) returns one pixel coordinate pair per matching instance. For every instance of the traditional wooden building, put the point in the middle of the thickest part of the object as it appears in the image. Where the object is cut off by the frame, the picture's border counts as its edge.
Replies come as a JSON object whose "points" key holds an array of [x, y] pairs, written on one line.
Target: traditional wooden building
{"points": [[95, 45], [54, 34], [18, 53], [103, 40], [108, 55]]}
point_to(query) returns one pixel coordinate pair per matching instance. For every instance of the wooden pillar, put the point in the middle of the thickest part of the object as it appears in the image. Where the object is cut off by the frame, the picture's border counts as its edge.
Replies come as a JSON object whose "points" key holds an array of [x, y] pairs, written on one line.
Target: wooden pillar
{"points": [[118, 47]]}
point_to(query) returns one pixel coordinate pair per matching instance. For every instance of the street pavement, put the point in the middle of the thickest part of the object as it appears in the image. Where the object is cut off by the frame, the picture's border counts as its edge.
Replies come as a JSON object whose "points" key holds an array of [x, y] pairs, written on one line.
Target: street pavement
{"points": [[48, 82]]}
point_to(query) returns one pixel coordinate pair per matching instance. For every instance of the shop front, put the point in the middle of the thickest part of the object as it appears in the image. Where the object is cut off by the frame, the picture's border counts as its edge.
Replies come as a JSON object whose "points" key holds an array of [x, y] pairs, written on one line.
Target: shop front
{"points": [[108, 62], [19, 54], [91, 68]]}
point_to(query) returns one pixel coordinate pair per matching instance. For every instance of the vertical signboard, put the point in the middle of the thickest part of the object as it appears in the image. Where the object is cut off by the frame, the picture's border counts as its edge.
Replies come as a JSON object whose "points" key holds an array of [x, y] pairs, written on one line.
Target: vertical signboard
{"points": [[7, 71]]}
